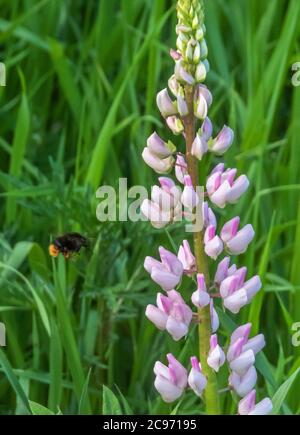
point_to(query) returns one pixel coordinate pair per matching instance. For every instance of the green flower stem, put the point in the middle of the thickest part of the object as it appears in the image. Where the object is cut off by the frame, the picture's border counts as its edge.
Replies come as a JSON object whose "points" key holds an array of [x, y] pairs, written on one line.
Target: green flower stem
{"points": [[211, 391]]}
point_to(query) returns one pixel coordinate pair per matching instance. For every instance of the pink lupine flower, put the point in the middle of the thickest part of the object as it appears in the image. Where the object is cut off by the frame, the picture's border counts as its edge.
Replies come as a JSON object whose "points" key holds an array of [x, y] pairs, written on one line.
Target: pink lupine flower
{"points": [[158, 164], [209, 218], [175, 125], [165, 205], [203, 90], [241, 357], [216, 356], [182, 105], [175, 55], [166, 106], [187, 258], [223, 189], [170, 380], [200, 106], [242, 362], [157, 217], [166, 273], [199, 147], [200, 297], [160, 148], [242, 331], [236, 241], [181, 74], [242, 385], [180, 168], [240, 342], [236, 293], [247, 405], [171, 314], [189, 197], [222, 142], [202, 101], [223, 270], [213, 243], [214, 318], [256, 344], [167, 195], [196, 379], [174, 86], [206, 129]]}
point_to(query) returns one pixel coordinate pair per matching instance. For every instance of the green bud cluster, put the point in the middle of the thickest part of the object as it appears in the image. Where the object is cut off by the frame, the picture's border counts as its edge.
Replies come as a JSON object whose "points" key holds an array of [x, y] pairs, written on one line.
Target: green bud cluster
{"points": [[191, 43]]}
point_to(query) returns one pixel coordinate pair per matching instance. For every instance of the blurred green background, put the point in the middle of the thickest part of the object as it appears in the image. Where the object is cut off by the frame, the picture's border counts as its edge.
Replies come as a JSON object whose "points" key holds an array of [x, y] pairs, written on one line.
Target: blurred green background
{"points": [[79, 104]]}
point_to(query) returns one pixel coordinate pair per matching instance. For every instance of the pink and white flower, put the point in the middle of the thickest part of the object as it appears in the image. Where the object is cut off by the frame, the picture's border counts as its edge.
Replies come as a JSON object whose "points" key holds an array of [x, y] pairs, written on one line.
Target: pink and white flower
{"points": [[200, 297], [180, 168], [222, 188], [236, 292], [166, 273], [166, 106], [196, 379], [187, 258], [171, 314], [170, 380], [216, 357], [213, 244], [165, 205], [247, 405], [222, 142], [236, 242]]}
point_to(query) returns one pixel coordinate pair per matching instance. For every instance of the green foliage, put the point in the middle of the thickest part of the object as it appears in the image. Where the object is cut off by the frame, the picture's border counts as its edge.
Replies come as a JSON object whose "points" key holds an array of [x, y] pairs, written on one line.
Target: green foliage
{"points": [[78, 106]]}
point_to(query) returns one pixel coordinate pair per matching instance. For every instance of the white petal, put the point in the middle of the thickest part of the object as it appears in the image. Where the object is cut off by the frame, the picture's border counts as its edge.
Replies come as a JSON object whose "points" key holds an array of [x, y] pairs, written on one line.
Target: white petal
{"points": [[197, 381], [168, 391]]}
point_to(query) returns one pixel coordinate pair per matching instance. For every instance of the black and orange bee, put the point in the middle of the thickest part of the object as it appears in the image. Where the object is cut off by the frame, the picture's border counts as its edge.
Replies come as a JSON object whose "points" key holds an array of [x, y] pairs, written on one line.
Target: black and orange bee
{"points": [[67, 245]]}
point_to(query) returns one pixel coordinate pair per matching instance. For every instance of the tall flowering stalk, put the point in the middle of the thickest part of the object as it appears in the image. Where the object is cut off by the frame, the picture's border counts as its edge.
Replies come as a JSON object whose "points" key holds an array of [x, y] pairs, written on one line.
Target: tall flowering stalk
{"points": [[186, 114]]}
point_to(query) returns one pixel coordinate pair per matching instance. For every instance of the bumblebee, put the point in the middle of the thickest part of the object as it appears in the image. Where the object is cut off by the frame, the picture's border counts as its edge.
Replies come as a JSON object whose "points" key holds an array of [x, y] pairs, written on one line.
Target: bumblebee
{"points": [[68, 245]]}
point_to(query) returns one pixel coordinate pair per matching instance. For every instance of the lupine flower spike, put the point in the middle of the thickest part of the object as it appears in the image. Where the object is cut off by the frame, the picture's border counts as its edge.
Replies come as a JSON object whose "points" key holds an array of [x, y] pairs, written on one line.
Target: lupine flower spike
{"points": [[184, 107]]}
